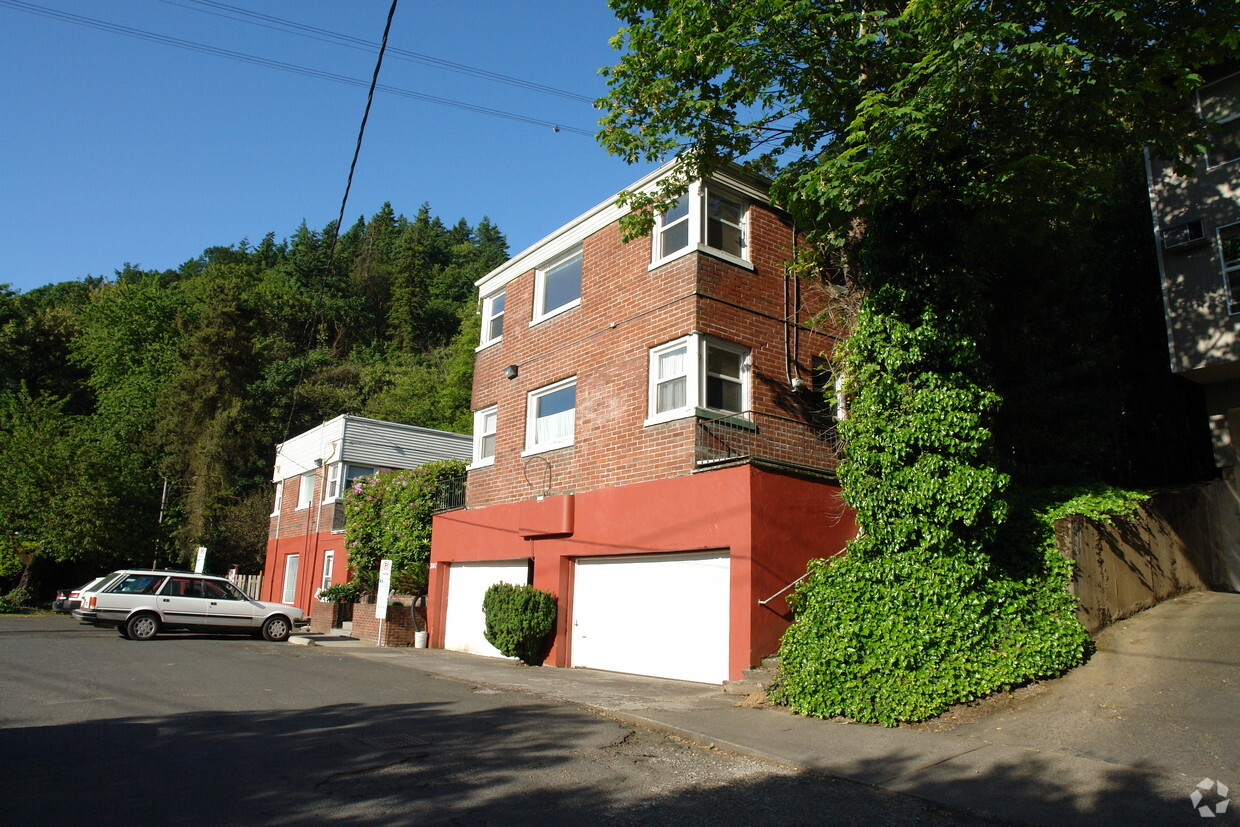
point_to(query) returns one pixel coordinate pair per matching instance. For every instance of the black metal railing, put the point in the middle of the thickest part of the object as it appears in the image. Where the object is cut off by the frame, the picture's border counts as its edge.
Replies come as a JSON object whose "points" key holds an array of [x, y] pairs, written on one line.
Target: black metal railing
{"points": [[754, 436], [450, 494]]}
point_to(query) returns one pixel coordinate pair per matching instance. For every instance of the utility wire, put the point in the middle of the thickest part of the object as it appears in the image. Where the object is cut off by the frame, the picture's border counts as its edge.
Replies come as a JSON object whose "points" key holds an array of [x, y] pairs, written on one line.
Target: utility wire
{"points": [[255, 60], [327, 36], [357, 150]]}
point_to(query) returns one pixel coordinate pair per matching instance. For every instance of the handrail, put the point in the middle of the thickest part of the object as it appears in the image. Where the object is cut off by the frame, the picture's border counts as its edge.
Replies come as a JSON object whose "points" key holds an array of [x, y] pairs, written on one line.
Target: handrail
{"points": [[784, 589]]}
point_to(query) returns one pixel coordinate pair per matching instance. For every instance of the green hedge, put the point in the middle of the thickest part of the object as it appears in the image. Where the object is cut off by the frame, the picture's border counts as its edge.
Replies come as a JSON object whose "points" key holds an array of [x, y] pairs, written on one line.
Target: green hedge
{"points": [[519, 620]]}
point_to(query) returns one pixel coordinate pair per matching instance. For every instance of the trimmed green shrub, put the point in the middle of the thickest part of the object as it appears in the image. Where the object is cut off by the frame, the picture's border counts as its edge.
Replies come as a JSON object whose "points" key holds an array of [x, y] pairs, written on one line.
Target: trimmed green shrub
{"points": [[519, 620], [341, 593]]}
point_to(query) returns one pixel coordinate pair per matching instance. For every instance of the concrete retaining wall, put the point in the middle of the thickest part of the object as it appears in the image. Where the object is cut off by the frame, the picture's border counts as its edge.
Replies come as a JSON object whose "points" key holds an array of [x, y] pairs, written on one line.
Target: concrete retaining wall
{"points": [[1180, 541]]}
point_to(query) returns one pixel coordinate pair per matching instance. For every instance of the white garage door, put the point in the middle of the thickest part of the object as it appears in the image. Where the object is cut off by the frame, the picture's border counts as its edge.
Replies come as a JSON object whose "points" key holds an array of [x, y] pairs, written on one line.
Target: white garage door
{"points": [[467, 583], [664, 615]]}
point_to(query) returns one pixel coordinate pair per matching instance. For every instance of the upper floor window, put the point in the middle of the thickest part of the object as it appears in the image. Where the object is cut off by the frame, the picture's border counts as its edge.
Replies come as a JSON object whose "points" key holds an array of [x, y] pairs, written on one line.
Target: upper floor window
{"points": [[550, 415], [707, 217], [331, 489], [279, 496], [492, 318], [697, 372], [557, 286], [305, 490], [1219, 103], [353, 472], [484, 436], [1229, 252]]}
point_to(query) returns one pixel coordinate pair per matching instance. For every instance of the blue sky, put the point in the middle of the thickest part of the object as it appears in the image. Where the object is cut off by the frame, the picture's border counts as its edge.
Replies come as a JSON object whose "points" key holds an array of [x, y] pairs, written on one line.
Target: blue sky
{"points": [[116, 149]]}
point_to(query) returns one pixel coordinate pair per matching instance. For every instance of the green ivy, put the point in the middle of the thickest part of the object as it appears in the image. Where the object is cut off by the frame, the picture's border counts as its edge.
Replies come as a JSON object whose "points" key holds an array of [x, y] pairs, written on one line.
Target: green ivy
{"points": [[388, 516], [954, 588], [519, 619]]}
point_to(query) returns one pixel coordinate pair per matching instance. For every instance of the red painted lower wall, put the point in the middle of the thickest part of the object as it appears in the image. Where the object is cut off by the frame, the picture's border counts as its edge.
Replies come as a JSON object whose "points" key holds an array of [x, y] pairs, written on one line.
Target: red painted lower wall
{"points": [[312, 553], [771, 524]]}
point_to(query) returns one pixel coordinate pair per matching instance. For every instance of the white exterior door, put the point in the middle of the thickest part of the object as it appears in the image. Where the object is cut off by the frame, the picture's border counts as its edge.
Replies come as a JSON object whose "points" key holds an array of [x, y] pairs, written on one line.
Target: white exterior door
{"points": [[664, 615], [290, 578], [464, 622]]}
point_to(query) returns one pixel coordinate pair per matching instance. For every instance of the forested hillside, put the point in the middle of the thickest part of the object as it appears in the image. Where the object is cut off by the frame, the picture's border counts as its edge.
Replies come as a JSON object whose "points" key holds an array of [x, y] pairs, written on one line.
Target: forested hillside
{"points": [[139, 413]]}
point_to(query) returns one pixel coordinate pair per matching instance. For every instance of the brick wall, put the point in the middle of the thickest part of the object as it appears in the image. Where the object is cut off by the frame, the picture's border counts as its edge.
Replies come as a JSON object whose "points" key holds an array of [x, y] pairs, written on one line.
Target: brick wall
{"points": [[397, 626], [626, 309]]}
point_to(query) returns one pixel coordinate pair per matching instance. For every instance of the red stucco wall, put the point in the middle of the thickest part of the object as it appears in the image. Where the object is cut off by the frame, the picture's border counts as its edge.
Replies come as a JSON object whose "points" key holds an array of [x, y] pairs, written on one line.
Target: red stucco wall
{"points": [[771, 524]]}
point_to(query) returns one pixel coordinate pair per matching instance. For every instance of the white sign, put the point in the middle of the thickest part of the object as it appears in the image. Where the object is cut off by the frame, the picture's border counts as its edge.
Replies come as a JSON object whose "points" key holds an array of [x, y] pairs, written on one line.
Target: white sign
{"points": [[202, 560], [385, 587]]}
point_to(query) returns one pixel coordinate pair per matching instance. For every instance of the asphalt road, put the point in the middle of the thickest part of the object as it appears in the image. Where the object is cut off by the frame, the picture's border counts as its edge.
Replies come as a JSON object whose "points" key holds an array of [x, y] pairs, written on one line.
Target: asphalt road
{"points": [[199, 729]]}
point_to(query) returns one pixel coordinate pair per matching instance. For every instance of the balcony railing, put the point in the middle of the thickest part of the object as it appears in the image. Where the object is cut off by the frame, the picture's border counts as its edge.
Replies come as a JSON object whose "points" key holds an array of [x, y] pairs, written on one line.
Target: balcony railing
{"points": [[761, 437], [450, 494]]}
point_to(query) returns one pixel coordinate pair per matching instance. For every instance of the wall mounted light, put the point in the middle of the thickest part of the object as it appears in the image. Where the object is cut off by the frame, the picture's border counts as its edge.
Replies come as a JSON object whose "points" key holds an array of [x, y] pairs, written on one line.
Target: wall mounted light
{"points": [[511, 371]]}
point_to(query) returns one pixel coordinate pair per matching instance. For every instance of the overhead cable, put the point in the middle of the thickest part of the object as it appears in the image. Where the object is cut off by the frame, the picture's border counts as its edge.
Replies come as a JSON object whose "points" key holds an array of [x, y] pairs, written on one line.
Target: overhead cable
{"points": [[255, 60]]}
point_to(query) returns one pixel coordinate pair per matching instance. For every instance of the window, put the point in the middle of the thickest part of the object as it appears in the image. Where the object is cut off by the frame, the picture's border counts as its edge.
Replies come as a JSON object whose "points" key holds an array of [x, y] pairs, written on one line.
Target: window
{"points": [[674, 229], [306, 490], [1219, 102], [353, 472], [492, 319], [549, 417], [708, 217], [484, 436], [557, 286], [290, 578], [331, 490], [697, 372], [1229, 252], [279, 496], [329, 561], [828, 408]]}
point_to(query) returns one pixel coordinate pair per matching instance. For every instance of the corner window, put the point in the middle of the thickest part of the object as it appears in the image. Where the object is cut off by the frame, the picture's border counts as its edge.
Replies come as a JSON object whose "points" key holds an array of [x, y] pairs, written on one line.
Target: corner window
{"points": [[550, 414], [492, 318], [279, 497], [708, 217], [1219, 102], [305, 490], [331, 489], [353, 472], [484, 436], [557, 286], [697, 372], [1229, 254]]}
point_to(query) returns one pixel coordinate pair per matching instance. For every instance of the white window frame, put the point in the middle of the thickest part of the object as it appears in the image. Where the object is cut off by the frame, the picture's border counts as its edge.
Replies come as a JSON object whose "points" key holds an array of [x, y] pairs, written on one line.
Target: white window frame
{"points": [[1231, 122], [697, 346], [541, 312], [699, 197], [291, 565], [1231, 270], [489, 316], [305, 490], [329, 561], [347, 481], [485, 425], [532, 445], [275, 512], [331, 487]]}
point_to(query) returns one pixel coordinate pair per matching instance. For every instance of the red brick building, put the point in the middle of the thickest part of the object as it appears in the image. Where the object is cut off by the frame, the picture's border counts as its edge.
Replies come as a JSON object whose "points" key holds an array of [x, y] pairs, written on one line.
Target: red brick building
{"points": [[305, 540], [651, 443]]}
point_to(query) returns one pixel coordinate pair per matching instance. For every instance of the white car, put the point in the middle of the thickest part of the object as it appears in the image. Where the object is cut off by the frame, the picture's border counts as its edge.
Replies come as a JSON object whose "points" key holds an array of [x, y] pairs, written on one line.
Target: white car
{"points": [[141, 602]]}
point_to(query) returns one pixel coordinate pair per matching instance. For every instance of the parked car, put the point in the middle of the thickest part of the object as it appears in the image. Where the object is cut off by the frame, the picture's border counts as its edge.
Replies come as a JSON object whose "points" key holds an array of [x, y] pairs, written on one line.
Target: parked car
{"points": [[69, 599], [140, 603]]}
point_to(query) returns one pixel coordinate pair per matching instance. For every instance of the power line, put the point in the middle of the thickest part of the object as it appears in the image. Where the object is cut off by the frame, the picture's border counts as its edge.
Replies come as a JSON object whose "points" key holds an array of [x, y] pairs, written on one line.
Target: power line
{"points": [[269, 63], [327, 36]]}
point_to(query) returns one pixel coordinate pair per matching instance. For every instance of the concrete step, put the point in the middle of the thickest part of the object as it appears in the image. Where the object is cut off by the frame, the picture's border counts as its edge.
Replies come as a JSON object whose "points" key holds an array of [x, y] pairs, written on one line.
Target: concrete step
{"points": [[752, 681]]}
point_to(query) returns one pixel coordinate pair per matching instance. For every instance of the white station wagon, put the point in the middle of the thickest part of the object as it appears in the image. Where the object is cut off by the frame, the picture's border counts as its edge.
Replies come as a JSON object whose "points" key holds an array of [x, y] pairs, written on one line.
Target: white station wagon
{"points": [[141, 602]]}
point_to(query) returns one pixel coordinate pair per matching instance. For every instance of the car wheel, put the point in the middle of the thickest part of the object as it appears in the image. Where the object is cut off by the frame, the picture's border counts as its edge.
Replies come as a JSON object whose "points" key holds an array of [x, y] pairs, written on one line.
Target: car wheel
{"points": [[141, 627], [120, 627], [276, 628]]}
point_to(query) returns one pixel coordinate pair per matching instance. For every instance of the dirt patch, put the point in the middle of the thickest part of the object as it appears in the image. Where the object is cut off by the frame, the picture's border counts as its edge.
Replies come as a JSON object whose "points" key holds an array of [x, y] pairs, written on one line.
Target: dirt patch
{"points": [[968, 713]]}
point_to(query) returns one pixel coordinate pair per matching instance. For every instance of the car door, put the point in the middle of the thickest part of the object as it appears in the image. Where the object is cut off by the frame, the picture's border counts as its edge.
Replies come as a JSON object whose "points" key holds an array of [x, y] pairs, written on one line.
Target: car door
{"points": [[228, 608], [181, 602]]}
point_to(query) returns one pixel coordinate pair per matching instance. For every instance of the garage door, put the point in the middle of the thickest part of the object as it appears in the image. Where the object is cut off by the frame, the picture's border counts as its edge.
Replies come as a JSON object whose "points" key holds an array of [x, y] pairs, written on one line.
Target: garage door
{"points": [[467, 583], [663, 615]]}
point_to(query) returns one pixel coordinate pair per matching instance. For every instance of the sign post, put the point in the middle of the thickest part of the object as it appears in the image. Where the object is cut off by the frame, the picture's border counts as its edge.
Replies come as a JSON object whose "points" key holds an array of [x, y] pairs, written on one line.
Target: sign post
{"points": [[201, 561], [381, 599]]}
